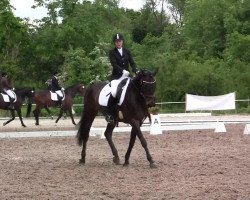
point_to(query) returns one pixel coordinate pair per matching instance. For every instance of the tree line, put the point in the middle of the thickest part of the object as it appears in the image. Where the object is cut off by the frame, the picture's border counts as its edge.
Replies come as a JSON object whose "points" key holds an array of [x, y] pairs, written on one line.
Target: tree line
{"points": [[198, 46]]}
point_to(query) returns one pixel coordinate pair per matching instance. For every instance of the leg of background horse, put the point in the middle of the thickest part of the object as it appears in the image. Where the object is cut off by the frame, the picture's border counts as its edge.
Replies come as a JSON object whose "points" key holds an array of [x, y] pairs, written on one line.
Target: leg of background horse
{"points": [[136, 126], [20, 116], [11, 119], [36, 113], [48, 110], [60, 115], [71, 116], [108, 134], [130, 147]]}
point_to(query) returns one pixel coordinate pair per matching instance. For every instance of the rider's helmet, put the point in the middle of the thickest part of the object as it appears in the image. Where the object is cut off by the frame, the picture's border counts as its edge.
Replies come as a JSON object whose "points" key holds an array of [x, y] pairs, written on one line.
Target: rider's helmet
{"points": [[55, 73], [118, 36], [4, 74]]}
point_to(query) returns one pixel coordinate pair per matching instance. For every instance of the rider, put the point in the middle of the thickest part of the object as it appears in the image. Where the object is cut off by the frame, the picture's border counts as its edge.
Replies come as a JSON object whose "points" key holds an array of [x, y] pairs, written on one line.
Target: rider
{"points": [[120, 59], [55, 87], [6, 88]]}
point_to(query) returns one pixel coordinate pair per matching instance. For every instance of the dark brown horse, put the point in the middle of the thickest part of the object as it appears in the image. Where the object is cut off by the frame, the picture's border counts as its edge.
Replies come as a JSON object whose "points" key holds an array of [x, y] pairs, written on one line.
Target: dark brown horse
{"points": [[42, 99], [22, 94], [139, 97]]}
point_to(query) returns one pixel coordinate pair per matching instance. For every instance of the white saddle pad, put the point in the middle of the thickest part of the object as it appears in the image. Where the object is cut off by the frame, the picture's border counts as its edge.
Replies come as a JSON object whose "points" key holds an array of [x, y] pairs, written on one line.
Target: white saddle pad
{"points": [[54, 96], [6, 98], [106, 91]]}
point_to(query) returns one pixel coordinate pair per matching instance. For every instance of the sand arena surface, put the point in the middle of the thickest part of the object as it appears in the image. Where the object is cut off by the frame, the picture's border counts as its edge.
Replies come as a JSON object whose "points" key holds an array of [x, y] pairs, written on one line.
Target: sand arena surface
{"points": [[196, 164]]}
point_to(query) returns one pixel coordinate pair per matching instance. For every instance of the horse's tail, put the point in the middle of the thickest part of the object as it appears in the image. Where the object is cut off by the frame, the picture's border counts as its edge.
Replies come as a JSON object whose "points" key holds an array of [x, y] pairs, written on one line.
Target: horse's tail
{"points": [[81, 132]]}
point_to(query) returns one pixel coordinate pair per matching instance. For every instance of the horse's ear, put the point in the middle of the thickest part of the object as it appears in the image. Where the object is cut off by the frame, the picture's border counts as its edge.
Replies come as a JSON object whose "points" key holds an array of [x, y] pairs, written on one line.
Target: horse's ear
{"points": [[155, 71]]}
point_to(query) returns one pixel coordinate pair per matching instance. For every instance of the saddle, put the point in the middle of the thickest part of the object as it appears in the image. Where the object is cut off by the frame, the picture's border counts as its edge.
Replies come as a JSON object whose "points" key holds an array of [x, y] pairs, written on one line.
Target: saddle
{"points": [[6, 98], [54, 96], [120, 92]]}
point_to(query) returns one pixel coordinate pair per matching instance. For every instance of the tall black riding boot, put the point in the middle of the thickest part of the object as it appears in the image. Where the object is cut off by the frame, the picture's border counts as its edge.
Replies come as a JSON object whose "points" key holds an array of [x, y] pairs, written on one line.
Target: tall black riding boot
{"points": [[111, 109], [11, 106], [59, 101]]}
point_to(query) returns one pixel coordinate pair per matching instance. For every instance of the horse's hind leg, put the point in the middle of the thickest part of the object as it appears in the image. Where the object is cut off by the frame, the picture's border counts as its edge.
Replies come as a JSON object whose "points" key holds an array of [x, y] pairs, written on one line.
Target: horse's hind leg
{"points": [[13, 117], [130, 147], [108, 134]]}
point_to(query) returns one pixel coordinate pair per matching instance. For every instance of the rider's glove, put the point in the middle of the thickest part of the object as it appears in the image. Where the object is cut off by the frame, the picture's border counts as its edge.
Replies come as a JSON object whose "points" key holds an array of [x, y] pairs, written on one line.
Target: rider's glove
{"points": [[63, 88], [125, 73]]}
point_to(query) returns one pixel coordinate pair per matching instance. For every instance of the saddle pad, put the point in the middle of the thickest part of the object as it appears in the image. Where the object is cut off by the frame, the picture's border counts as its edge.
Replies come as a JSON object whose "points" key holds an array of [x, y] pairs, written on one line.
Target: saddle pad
{"points": [[6, 98], [54, 96], [106, 91]]}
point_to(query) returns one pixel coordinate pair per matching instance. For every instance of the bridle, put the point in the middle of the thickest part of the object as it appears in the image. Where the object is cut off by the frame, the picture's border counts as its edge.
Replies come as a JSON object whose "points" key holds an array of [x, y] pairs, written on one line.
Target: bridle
{"points": [[142, 85]]}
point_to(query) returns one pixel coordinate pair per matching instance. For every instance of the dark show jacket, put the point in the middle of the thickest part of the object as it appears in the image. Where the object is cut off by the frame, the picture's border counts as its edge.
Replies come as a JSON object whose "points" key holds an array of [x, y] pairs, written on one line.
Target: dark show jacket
{"points": [[55, 84], [119, 63]]}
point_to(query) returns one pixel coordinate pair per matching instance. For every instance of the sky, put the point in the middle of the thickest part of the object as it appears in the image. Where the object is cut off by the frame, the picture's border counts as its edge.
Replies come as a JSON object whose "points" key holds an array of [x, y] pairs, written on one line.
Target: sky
{"points": [[23, 8]]}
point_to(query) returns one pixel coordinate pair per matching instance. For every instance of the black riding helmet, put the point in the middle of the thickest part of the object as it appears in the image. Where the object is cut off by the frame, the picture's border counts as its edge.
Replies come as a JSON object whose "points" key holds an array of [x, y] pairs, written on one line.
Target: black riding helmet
{"points": [[55, 73], [4, 74], [118, 36]]}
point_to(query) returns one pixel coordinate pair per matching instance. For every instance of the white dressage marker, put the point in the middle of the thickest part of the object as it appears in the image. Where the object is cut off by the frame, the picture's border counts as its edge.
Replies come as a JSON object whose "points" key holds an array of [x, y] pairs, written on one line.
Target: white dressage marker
{"points": [[220, 128], [155, 127], [247, 129]]}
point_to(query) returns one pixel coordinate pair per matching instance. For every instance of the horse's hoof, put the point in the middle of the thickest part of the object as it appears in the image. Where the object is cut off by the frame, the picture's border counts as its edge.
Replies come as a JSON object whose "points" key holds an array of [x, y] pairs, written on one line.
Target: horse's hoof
{"points": [[125, 164], [81, 162], [24, 125], [153, 165], [116, 160], [4, 124]]}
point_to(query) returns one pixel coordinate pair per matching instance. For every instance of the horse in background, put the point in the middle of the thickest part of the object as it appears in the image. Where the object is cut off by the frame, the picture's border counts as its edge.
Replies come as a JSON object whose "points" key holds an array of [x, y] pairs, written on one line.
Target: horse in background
{"points": [[21, 94], [139, 97], [42, 99]]}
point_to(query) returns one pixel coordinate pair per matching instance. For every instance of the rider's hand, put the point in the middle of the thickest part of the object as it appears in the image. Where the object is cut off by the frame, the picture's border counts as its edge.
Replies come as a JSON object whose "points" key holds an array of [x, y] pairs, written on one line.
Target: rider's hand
{"points": [[63, 88], [125, 72]]}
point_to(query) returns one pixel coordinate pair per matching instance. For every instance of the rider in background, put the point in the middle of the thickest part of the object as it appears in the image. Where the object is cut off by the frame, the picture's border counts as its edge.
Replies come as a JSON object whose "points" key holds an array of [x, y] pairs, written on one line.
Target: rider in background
{"points": [[7, 88], [55, 87], [120, 59]]}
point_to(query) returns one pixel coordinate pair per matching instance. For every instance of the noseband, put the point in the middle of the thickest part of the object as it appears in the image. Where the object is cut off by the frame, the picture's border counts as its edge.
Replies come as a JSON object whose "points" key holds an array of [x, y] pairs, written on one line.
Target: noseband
{"points": [[141, 90], [147, 83]]}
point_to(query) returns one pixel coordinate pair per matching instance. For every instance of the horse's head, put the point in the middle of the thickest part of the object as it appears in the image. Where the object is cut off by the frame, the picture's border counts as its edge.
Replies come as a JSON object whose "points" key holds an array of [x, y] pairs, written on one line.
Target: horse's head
{"points": [[146, 84], [75, 89], [25, 92], [81, 89]]}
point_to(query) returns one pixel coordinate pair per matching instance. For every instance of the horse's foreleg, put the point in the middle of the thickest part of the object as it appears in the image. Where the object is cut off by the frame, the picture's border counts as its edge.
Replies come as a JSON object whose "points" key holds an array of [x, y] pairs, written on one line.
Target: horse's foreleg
{"points": [[11, 119], [108, 134], [136, 126], [60, 115], [130, 147], [71, 116], [36, 113], [20, 117], [48, 110]]}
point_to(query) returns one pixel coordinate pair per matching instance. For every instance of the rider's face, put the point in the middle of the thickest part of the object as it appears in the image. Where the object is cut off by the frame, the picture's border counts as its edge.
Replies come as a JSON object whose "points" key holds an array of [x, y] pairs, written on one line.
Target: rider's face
{"points": [[118, 44]]}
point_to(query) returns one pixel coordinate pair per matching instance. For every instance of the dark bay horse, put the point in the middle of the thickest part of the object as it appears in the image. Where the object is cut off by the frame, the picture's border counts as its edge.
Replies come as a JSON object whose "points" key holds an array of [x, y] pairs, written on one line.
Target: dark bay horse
{"points": [[42, 99], [139, 97], [22, 94]]}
